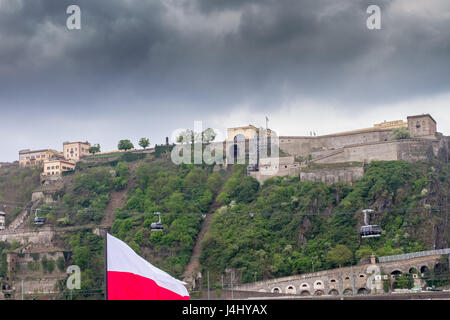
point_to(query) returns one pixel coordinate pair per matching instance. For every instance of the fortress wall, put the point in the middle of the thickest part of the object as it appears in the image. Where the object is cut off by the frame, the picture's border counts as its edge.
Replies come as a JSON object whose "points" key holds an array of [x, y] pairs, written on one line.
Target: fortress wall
{"points": [[290, 171], [24, 237], [380, 151], [330, 176], [38, 286], [416, 150], [408, 150], [303, 146]]}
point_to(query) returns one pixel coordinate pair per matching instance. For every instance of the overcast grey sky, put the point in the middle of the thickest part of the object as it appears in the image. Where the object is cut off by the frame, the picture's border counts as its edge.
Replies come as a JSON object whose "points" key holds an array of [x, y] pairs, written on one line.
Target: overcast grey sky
{"points": [[145, 68]]}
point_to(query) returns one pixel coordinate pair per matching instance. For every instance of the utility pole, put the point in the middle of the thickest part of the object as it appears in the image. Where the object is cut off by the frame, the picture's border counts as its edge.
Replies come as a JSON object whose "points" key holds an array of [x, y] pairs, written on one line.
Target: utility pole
{"points": [[353, 280], [255, 276], [22, 289], [232, 296], [207, 272], [312, 263]]}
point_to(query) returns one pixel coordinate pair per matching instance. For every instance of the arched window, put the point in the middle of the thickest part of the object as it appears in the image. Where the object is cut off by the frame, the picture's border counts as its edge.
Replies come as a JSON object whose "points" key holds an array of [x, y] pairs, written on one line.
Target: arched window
{"points": [[423, 269], [276, 290]]}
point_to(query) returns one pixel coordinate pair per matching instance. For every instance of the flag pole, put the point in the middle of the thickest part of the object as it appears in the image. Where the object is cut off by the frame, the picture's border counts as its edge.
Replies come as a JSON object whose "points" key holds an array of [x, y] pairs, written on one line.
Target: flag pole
{"points": [[106, 264]]}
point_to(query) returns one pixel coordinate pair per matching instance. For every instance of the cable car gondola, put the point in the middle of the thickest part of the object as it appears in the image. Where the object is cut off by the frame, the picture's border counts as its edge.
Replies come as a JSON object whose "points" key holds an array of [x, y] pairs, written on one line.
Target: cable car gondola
{"points": [[157, 226], [38, 220], [369, 231]]}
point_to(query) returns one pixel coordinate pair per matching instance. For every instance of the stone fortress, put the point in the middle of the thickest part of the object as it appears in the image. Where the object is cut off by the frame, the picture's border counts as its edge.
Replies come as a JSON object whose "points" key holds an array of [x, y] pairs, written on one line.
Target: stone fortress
{"points": [[342, 156]]}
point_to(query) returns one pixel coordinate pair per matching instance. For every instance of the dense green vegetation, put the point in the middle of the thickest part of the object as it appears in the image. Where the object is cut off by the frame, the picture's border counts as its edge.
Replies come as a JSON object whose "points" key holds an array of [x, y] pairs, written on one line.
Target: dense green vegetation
{"points": [[182, 194], [85, 201], [279, 228], [4, 247], [87, 253], [287, 227], [16, 186]]}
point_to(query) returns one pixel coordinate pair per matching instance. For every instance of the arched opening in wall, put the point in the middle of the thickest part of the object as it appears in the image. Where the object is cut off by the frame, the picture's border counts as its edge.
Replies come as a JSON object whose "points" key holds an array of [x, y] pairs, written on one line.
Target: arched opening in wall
{"points": [[396, 272], [291, 290], [276, 290], [423, 269], [348, 292], [239, 142], [333, 292], [318, 293], [318, 285], [363, 291], [361, 276], [305, 293], [304, 286], [333, 281], [347, 278], [413, 270]]}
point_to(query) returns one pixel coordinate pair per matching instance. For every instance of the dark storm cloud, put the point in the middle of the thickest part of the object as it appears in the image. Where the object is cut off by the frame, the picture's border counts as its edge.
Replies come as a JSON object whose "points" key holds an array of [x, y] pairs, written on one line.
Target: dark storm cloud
{"points": [[177, 57], [305, 47]]}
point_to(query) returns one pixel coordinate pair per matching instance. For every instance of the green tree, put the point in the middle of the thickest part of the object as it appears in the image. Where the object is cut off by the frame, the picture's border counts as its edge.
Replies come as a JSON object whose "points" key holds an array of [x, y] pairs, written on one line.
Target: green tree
{"points": [[208, 135], [125, 145], [404, 281], [400, 133], [339, 256], [60, 264], [144, 143], [81, 257], [186, 136], [94, 149], [189, 136], [364, 252]]}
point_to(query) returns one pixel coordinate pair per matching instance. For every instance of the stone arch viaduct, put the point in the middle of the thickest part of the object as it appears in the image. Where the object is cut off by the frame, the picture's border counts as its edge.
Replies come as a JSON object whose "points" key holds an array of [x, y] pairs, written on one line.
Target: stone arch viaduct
{"points": [[361, 279]]}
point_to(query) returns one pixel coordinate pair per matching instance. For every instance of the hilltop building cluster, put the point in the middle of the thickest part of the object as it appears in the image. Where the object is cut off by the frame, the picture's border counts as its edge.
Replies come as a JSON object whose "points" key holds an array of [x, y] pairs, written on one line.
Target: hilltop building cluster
{"points": [[341, 156], [328, 158], [55, 162]]}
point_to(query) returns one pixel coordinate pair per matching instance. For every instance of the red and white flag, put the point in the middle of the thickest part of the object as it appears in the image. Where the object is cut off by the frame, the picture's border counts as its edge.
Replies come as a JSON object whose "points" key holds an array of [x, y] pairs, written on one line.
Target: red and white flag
{"points": [[130, 277]]}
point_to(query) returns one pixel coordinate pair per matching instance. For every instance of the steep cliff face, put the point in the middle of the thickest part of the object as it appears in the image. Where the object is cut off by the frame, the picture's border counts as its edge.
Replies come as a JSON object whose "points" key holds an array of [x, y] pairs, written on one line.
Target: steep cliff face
{"points": [[300, 226], [429, 204], [16, 186]]}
